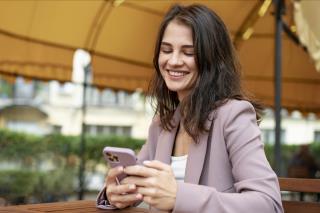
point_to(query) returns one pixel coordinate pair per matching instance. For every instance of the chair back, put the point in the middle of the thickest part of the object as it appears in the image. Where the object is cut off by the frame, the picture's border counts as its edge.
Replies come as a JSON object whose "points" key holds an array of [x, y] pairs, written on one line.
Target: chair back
{"points": [[300, 185]]}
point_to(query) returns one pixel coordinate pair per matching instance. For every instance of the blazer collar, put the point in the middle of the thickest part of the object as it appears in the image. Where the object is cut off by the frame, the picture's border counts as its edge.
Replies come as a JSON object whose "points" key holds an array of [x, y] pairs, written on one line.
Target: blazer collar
{"points": [[197, 151]]}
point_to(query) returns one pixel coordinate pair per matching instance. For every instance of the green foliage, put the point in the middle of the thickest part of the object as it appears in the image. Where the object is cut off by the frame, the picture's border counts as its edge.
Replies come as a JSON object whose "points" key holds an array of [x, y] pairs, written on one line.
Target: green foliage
{"points": [[52, 182], [315, 150], [46, 186], [17, 184], [287, 152], [6, 89], [60, 144], [54, 185], [46, 167], [15, 146], [18, 145]]}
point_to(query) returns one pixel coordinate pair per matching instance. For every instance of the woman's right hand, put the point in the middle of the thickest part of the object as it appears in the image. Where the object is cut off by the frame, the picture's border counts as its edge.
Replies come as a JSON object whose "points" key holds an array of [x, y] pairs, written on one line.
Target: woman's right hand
{"points": [[120, 195]]}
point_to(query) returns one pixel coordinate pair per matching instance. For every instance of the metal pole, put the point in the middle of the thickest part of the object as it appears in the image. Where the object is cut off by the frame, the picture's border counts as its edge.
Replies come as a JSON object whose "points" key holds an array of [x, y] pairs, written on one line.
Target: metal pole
{"points": [[277, 85], [83, 136]]}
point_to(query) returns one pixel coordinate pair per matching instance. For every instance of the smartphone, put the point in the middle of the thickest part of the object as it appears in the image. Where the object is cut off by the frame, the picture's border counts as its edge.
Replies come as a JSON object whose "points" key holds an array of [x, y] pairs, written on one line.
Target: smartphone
{"points": [[116, 156]]}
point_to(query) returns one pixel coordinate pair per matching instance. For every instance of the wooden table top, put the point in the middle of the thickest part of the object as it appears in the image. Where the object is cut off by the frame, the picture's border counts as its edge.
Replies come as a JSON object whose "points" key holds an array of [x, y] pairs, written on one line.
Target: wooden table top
{"points": [[71, 206]]}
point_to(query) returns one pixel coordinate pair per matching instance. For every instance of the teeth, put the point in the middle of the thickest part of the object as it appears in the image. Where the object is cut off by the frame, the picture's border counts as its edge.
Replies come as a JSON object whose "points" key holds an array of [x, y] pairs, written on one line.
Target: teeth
{"points": [[177, 73]]}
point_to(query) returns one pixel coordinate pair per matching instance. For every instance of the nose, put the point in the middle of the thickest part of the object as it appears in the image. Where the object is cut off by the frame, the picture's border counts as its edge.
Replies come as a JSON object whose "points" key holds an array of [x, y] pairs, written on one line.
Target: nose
{"points": [[175, 59]]}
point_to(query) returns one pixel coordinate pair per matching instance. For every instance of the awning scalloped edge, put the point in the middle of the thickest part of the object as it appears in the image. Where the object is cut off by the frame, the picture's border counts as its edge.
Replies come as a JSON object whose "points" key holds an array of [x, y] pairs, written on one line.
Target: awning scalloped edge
{"points": [[306, 35]]}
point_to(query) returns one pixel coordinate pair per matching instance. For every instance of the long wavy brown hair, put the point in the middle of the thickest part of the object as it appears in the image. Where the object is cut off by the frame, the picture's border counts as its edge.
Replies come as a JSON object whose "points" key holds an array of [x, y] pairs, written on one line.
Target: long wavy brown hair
{"points": [[219, 76]]}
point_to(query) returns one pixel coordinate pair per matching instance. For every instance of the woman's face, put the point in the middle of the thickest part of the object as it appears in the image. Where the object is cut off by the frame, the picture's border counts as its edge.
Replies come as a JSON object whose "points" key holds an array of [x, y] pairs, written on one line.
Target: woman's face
{"points": [[177, 59]]}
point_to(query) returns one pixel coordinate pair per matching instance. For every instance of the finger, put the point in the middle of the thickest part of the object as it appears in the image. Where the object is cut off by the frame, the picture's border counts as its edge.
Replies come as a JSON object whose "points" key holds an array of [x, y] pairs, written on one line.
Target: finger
{"points": [[149, 200], [140, 171], [130, 200], [138, 181], [121, 205], [112, 175], [157, 165], [121, 189], [149, 192], [126, 198]]}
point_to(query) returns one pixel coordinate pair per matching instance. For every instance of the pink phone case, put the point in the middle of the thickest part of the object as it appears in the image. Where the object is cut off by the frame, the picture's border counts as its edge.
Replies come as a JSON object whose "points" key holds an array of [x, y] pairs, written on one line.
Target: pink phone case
{"points": [[116, 156]]}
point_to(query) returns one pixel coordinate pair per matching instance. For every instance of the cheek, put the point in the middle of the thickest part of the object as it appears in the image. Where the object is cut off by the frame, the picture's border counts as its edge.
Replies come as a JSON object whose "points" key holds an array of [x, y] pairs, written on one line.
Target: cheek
{"points": [[192, 65], [195, 70], [161, 61]]}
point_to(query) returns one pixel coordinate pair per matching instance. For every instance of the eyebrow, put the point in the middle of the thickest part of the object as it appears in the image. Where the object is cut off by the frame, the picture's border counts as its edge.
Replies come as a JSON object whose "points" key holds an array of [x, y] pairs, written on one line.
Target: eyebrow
{"points": [[183, 46]]}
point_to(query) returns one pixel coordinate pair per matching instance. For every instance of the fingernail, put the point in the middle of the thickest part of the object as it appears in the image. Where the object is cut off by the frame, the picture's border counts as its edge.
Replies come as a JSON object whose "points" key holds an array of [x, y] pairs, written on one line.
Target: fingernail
{"points": [[132, 186], [120, 169], [139, 196]]}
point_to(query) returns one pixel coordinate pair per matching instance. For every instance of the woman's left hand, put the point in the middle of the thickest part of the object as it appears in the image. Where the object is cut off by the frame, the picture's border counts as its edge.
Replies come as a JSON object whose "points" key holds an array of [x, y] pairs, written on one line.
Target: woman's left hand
{"points": [[156, 182]]}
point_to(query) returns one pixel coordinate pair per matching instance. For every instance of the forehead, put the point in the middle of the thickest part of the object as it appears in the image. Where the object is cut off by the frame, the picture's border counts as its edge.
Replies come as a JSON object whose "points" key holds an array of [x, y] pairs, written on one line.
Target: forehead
{"points": [[178, 33]]}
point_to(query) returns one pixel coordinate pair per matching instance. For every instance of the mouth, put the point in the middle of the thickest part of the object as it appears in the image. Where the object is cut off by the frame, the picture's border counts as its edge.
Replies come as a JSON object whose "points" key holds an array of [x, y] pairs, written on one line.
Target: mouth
{"points": [[177, 73]]}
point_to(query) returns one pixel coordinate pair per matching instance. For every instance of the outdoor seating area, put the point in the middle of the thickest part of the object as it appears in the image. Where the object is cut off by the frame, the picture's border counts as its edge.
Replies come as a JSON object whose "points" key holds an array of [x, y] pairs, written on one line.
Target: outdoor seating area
{"points": [[286, 184]]}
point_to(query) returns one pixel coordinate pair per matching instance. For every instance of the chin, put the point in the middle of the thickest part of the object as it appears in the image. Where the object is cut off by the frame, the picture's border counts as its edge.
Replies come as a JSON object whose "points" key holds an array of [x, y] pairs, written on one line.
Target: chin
{"points": [[174, 88]]}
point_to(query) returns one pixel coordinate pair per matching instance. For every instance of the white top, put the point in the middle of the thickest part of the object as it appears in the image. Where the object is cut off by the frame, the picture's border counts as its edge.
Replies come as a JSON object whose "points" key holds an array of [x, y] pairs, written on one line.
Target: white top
{"points": [[178, 164]]}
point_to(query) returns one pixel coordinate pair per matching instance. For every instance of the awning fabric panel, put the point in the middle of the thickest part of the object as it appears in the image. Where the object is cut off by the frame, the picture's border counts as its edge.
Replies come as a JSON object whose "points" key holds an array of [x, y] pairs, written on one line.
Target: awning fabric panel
{"points": [[38, 39], [20, 56]]}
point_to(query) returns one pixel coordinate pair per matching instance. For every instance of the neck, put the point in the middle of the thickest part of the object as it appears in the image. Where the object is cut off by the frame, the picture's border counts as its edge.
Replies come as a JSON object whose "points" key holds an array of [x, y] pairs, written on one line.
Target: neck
{"points": [[182, 95]]}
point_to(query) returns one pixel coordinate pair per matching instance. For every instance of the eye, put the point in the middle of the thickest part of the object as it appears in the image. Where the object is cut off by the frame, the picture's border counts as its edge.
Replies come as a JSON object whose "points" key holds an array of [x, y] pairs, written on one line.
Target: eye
{"points": [[188, 51], [165, 50], [189, 54]]}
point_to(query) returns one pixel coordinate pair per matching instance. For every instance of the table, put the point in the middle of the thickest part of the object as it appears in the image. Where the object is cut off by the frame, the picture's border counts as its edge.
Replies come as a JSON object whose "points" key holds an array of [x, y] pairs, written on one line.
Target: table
{"points": [[80, 206]]}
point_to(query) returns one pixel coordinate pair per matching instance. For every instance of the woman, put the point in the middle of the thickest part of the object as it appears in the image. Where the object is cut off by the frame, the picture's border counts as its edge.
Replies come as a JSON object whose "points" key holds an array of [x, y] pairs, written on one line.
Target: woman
{"points": [[203, 152]]}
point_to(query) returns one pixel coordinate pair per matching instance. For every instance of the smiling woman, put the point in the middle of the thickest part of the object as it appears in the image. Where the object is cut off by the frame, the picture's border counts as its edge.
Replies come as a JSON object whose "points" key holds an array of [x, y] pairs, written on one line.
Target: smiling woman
{"points": [[176, 59], [204, 152]]}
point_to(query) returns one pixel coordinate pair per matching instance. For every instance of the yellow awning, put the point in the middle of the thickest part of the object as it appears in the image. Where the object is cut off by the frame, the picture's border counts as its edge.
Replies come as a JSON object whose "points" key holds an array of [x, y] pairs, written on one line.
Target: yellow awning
{"points": [[38, 39]]}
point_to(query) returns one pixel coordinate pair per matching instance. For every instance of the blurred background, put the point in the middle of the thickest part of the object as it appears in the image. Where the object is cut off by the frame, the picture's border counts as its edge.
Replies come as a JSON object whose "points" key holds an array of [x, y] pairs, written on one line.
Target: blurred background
{"points": [[74, 74]]}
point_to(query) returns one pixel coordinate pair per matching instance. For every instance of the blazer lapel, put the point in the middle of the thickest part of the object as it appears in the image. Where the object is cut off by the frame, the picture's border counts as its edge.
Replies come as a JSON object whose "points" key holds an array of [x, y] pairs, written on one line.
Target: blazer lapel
{"points": [[166, 140], [197, 151], [165, 146], [196, 156], [195, 160]]}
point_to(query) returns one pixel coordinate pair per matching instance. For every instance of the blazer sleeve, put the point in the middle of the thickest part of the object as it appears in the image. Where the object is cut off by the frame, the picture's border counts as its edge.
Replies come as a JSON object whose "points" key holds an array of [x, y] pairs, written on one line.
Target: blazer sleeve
{"points": [[146, 153], [256, 185]]}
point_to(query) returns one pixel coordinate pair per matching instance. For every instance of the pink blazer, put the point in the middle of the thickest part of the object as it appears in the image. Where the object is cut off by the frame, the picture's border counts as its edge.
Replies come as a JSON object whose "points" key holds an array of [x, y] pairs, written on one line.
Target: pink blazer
{"points": [[227, 171]]}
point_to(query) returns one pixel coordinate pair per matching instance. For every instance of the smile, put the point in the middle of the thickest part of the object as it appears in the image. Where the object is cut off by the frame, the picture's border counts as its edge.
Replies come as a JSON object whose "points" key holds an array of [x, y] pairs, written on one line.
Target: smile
{"points": [[176, 73]]}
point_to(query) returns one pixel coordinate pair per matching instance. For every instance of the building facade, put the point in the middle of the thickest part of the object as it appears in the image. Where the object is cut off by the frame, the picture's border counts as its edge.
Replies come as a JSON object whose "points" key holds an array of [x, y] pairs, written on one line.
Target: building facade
{"points": [[47, 107]]}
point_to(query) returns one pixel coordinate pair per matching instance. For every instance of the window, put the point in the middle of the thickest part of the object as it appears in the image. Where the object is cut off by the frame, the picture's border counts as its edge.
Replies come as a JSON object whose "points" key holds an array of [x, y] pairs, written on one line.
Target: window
{"points": [[24, 90], [268, 136], [124, 99], [108, 130], [108, 97], [56, 129], [66, 89], [25, 126], [316, 136], [92, 96]]}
